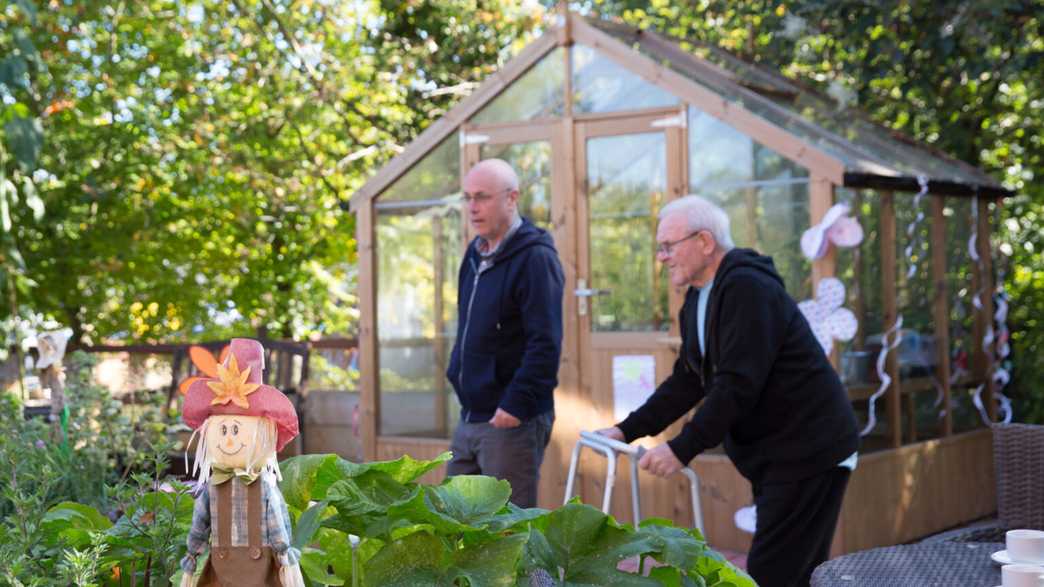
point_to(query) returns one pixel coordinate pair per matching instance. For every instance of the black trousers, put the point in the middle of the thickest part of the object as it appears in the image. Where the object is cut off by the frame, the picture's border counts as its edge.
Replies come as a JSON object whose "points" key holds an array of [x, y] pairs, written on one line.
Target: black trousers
{"points": [[795, 525]]}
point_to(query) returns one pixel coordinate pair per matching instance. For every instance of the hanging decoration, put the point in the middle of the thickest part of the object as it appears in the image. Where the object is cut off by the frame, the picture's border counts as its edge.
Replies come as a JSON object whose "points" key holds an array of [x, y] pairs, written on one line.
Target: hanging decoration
{"points": [[890, 340], [893, 337], [912, 242], [998, 374], [829, 321], [835, 227]]}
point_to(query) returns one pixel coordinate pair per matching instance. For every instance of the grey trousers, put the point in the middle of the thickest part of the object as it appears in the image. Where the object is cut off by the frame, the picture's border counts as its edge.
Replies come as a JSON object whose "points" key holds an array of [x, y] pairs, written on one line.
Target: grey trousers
{"points": [[512, 454]]}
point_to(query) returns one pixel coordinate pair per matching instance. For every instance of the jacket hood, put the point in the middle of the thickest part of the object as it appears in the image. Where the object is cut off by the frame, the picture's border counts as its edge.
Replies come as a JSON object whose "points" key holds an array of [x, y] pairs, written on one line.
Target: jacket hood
{"points": [[738, 258], [527, 235]]}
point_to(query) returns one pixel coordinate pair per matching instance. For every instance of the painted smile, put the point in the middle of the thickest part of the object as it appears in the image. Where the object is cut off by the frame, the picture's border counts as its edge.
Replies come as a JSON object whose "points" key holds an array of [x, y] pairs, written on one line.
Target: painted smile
{"points": [[231, 453]]}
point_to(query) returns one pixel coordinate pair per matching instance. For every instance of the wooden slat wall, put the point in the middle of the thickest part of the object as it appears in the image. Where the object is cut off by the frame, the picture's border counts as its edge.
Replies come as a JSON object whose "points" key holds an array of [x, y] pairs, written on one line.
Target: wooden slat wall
{"points": [[896, 496]]}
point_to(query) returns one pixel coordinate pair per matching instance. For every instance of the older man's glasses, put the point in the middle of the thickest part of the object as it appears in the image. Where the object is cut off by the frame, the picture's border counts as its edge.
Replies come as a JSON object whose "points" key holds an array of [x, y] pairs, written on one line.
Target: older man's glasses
{"points": [[481, 197], [667, 248]]}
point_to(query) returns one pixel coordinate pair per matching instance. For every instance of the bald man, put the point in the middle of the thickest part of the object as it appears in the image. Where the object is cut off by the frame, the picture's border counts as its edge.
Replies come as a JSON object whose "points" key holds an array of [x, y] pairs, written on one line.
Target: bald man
{"points": [[504, 365]]}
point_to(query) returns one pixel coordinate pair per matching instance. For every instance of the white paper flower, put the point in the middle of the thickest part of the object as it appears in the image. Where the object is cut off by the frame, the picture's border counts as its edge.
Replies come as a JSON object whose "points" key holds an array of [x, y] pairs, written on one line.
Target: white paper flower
{"points": [[829, 321]]}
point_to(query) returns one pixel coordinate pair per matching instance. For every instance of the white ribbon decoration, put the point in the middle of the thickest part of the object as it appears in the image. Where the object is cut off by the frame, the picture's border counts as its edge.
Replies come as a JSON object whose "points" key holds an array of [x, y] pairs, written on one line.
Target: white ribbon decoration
{"points": [[998, 373], [911, 229], [896, 338], [882, 356]]}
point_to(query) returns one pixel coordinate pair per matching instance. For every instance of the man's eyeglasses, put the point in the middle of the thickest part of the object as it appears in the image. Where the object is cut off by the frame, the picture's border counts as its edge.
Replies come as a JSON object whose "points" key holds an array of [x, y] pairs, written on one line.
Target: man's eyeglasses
{"points": [[481, 197], [667, 249]]}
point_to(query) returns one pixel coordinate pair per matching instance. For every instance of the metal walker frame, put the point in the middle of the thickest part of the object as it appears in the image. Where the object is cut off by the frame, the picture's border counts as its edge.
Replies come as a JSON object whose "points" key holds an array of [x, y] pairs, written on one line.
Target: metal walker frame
{"points": [[610, 449]]}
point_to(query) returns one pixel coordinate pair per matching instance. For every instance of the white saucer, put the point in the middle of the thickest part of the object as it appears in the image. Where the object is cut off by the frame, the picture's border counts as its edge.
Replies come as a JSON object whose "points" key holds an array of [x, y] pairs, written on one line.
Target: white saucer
{"points": [[1001, 557]]}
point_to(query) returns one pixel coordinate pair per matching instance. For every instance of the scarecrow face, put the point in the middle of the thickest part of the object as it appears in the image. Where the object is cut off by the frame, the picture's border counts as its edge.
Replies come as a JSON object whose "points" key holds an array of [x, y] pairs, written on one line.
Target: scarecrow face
{"points": [[230, 439]]}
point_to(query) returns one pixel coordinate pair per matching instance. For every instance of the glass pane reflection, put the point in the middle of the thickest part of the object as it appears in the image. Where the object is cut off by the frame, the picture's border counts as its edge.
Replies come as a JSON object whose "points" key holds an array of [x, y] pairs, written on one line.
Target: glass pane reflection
{"points": [[532, 163], [626, 186]]}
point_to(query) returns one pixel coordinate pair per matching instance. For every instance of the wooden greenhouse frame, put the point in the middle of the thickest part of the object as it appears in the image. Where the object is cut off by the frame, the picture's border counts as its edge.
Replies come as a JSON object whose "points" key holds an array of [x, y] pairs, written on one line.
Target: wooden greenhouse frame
{"points": [[904, 491]]}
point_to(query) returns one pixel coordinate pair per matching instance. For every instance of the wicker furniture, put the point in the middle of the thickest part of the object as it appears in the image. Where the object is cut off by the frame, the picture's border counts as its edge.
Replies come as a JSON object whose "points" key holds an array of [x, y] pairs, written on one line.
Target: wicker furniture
{"points": [[948, 564], [1018, 454], [960, 556]]}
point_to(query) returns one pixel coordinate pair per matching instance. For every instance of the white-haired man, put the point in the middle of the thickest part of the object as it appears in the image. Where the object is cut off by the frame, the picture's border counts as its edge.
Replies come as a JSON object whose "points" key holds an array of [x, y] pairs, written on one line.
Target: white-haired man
{"points": [[768, 391]]}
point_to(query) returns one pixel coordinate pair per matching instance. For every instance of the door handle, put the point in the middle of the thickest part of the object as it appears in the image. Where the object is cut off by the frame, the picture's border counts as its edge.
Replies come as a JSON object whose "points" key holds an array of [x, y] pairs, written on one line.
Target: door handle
{"points": [[587, 292], [582, 292]]}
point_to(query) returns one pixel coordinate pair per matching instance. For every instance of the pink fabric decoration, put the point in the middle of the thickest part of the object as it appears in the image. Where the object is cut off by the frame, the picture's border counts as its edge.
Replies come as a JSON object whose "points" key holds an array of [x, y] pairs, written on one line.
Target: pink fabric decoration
{"points": [[836, 227]]}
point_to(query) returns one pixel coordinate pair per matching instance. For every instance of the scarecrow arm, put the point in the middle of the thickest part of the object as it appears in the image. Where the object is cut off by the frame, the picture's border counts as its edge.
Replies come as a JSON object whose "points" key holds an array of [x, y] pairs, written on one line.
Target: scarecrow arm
{"points": [[277, 525], [199, 534]]}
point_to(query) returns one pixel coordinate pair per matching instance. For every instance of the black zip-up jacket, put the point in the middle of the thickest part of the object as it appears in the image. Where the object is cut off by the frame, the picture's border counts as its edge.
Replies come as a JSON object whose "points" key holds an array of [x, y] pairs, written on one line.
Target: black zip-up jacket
{"points": [[509, 329], [768, 390]]}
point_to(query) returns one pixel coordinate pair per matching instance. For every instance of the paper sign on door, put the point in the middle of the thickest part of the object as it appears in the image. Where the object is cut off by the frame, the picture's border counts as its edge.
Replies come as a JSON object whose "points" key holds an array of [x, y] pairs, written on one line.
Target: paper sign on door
{"points": [[634, 380]]}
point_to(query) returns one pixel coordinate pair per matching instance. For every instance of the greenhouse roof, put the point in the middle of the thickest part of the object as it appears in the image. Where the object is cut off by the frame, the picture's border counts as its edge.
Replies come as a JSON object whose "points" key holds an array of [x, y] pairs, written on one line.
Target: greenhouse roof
{"points": [[837, 142]]}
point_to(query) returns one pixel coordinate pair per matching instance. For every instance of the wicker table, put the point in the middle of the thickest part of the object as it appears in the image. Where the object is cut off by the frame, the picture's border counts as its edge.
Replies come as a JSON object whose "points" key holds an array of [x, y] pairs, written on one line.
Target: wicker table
{"points": [[946, 564]]}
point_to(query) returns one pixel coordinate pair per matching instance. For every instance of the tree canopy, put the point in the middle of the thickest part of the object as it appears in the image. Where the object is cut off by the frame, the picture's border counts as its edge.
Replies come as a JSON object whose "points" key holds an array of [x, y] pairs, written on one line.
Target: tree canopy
{"points": [[175, 169], [190, 157]]}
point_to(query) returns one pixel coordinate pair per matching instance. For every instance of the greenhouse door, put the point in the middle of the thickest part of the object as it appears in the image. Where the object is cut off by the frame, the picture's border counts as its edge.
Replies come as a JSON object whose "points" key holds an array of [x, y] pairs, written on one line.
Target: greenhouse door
{"points": [[629, 167]]}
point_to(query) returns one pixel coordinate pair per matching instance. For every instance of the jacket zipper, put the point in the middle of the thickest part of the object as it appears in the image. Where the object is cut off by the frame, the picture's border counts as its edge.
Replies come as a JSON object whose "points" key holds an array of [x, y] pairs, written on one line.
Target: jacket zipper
{"points": [[464, 336]]}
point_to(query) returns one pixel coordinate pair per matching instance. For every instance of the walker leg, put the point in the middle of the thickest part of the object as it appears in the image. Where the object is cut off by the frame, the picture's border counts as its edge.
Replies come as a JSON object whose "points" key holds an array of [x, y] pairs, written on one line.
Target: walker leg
{"points": [[635, 496], [610, 481], [573, 462], [697, 512]]}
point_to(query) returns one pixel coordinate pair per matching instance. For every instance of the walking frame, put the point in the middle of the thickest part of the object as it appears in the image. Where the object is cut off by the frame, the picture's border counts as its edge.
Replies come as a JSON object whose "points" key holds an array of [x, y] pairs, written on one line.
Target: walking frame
{"points": [[610, 449]]}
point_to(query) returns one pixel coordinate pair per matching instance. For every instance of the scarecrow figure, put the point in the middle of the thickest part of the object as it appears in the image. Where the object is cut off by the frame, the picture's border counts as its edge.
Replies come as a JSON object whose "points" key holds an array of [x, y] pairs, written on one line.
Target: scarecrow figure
{"points": [[239, 512]]}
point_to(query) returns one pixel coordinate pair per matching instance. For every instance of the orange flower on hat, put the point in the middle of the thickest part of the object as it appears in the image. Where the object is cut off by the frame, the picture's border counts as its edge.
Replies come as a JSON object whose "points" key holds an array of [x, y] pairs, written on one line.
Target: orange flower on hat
{"points": [[233, 386]]}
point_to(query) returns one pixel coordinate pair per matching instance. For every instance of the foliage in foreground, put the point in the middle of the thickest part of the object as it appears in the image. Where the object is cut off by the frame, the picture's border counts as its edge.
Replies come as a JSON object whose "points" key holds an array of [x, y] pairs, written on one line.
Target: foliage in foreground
{"points": [[460, 533], [464, 532]]}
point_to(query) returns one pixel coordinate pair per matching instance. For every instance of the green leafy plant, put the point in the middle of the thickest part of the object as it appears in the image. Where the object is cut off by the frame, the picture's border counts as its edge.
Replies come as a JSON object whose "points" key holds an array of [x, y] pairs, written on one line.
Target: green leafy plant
{"points": [[465, 532], [60, 491]]}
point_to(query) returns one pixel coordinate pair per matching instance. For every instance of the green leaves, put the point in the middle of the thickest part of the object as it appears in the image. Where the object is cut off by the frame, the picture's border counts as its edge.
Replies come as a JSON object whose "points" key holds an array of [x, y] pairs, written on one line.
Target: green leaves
{"points": [[422, 559], [25, 139], [73, 524], [465, 532]]}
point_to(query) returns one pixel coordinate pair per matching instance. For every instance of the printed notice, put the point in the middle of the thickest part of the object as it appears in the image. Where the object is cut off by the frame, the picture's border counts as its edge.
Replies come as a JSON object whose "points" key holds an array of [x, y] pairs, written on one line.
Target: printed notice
{"points": [[634, 380]]}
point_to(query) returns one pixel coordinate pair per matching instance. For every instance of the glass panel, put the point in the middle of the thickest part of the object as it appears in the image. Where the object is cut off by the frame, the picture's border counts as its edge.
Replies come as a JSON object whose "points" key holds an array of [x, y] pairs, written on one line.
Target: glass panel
{"points": [[627, 180], [532, 163], [764, 194], [960, 270], [600, 85], [843, 132], [434, 177], [859, 269], [914, 296], [539, 93], [419, 245]]}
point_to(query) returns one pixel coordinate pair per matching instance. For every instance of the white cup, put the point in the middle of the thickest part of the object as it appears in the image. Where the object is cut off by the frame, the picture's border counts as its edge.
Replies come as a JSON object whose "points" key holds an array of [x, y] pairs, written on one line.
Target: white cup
{"points": [[1025, 546], [1022, 576]]}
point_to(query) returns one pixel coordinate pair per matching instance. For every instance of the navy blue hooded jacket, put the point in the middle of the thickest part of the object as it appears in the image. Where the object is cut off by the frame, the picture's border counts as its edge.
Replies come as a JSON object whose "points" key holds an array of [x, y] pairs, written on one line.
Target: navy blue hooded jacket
{"points": [[509, 329]]}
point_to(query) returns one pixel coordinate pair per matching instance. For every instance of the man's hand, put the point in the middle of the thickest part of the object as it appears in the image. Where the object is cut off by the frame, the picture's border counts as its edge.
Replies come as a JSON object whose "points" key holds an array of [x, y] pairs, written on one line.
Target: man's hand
{"points": [[661, 461], [612, 432], [502, 419]]}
